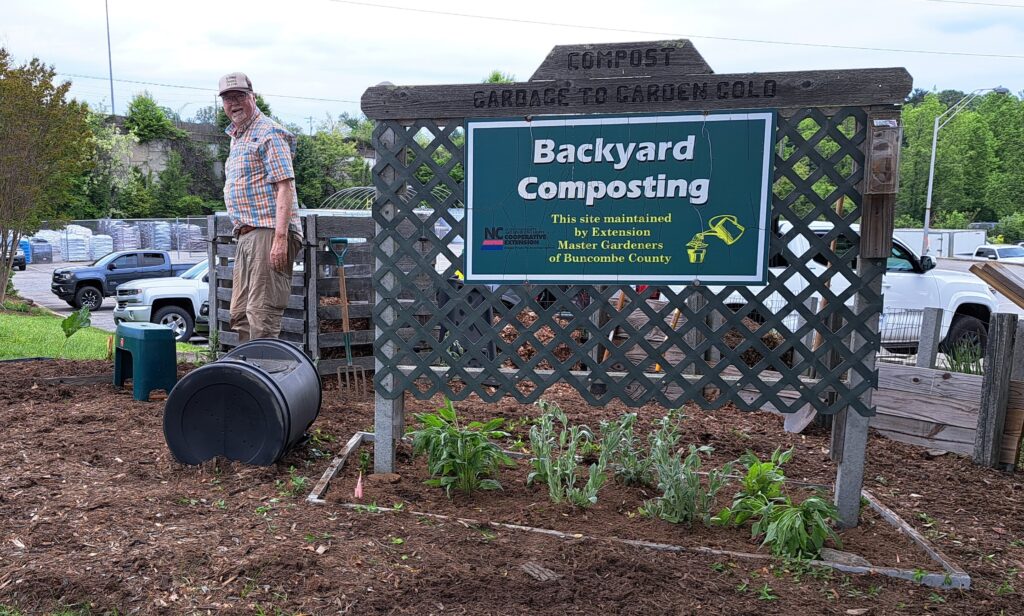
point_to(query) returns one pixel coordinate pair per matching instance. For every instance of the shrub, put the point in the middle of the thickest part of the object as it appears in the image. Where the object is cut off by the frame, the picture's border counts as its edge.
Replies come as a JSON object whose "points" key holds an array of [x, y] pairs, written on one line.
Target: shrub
{"points": [[460, 457], [1011, 227]]}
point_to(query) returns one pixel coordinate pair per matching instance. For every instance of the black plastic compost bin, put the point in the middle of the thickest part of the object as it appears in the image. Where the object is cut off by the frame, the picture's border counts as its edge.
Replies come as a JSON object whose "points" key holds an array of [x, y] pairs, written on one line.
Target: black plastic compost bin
{"points": [[251, 406]]}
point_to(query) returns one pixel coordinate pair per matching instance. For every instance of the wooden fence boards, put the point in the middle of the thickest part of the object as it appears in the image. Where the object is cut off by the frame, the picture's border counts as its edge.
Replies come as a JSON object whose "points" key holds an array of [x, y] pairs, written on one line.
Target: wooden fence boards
{"points": [[940, 409], [827, 88], [313, 305]]}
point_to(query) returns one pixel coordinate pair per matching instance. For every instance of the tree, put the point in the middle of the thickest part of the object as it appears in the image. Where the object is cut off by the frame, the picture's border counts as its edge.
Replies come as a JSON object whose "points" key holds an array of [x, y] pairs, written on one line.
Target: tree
{"points": [[136, 200], [172, 186], [205, 115], [1011, 227], [324, 164], [147, 121], [109, 173], [45, 145], [497, 76], [359, 128], [915, 156], [979, 164]]}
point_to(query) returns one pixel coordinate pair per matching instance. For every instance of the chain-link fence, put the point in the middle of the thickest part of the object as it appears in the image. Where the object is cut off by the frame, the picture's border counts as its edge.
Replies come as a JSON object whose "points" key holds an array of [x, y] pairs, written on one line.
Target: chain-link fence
{"points": [[87, 240]]}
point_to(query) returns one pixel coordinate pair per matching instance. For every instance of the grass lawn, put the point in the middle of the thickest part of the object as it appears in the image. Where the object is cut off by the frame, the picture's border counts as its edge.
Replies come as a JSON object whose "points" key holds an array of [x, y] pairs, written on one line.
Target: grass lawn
{"points": [[37, 333]]}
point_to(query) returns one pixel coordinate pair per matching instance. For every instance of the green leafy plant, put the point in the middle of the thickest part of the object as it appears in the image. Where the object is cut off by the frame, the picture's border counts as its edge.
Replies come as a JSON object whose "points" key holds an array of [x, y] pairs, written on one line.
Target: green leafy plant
{"points": [[558, 448], [685, 495], [295, 485], [790, 531], [72, 324], [463, 458], [760, 486], [765, 593], [764, 478], [965, 356], [796, 531]]}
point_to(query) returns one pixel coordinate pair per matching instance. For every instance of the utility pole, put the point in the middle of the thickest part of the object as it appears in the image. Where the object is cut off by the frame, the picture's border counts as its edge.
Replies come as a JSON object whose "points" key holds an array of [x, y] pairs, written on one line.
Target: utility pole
{"points": [[110, 62], [941, 120], [310, 118]]}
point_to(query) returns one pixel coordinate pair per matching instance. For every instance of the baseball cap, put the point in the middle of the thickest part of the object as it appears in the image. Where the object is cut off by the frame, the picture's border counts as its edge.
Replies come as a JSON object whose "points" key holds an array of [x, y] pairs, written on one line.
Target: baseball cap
{"points": [[234, 81]]}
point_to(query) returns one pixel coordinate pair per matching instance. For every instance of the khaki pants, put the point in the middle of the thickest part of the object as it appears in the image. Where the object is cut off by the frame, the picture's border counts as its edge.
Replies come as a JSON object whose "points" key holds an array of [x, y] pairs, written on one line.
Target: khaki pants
{"points": [[259, 293]]}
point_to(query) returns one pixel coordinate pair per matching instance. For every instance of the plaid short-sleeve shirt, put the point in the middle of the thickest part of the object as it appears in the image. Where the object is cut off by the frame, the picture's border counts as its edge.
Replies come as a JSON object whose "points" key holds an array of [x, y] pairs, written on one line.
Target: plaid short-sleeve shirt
{"points": [[261, 155]]}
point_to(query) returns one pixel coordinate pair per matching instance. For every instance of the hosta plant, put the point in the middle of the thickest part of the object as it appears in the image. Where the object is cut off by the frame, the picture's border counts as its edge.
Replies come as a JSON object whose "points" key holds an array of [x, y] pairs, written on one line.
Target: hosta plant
{"points": [[460, 457], [797, 531]]}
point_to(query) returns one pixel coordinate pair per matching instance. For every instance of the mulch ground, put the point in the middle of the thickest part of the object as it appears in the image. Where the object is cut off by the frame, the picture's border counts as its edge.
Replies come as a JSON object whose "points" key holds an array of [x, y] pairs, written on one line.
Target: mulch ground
{"points": [[95, 515]]}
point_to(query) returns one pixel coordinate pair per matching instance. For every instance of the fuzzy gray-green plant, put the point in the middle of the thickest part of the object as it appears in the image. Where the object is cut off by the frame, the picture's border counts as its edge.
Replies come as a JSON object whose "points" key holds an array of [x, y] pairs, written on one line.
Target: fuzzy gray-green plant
{"points": [[686, 496], [630, 464], [557, 450]]}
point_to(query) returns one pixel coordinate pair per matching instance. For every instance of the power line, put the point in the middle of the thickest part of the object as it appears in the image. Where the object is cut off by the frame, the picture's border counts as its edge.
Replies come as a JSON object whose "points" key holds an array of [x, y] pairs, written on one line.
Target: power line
{"points": [[172, 85], [1007, 6], [675, 34]]}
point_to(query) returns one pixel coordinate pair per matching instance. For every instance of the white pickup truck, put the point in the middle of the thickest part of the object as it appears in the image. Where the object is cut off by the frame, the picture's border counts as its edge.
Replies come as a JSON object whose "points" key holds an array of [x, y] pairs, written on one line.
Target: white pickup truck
{"points": [[910, 284], [1004, 253], [179, 303]]}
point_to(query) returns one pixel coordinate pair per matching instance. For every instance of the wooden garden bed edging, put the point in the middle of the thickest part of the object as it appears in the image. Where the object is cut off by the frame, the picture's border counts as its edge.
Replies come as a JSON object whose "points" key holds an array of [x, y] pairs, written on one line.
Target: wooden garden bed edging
{"points": [[951, 575]]}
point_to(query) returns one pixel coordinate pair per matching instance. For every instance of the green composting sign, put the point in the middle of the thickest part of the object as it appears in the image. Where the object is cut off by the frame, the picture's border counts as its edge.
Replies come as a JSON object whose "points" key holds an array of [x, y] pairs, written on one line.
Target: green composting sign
{"points": [[619, 199]]}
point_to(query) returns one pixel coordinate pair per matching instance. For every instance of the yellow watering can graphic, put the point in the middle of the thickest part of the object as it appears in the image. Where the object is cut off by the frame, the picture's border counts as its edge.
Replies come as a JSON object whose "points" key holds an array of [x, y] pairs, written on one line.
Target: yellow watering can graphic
{"points": [[725, 227]]}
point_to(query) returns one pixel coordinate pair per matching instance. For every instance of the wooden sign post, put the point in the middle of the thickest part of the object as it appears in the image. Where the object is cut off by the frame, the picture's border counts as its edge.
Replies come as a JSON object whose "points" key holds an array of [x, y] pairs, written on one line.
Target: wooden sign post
{"points": [[592, 147]]}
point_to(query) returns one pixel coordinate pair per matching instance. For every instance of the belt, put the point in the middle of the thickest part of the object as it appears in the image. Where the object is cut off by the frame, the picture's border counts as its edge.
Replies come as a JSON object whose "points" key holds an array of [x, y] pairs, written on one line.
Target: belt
{"points": [[245, 229]]}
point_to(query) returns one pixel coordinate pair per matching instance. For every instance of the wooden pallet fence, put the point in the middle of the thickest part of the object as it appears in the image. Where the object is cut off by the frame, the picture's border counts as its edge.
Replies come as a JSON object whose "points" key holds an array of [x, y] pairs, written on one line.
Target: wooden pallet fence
{"points": [[294, 327], [312, 318], [939, 409], [920, 405]]}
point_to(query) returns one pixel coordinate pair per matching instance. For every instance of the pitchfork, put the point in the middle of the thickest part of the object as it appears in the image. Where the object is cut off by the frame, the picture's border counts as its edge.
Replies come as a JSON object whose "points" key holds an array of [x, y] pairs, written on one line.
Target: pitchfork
{"points": [[352, 375]]}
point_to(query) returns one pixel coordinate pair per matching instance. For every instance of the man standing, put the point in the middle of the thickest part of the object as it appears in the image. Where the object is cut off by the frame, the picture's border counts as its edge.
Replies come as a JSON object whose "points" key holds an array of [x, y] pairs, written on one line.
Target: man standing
{"points": [[259, 192]]}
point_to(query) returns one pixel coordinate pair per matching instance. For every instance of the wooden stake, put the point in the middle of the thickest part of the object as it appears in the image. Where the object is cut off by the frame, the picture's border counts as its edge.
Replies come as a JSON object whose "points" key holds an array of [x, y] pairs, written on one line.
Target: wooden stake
{"points": [[615, 330]]}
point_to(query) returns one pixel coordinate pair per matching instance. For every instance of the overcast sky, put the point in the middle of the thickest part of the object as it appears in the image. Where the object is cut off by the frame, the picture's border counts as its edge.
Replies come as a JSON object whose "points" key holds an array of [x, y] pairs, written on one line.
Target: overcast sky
{"points": [[334, 49]]}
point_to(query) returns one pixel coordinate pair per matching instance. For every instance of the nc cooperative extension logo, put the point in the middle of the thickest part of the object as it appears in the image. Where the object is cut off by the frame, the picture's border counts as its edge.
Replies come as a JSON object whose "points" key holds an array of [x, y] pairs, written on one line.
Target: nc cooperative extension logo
{"points": [[492, 239]]}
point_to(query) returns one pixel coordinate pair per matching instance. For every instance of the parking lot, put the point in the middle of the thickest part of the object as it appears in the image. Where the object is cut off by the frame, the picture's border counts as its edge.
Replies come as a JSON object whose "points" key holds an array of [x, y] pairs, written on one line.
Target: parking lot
{"points": [[34, 284]]}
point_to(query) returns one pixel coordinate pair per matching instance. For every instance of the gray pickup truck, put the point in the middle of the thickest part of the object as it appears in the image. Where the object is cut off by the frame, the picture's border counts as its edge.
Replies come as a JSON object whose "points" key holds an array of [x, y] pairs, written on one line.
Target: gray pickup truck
{"points": [[87, 285]]}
